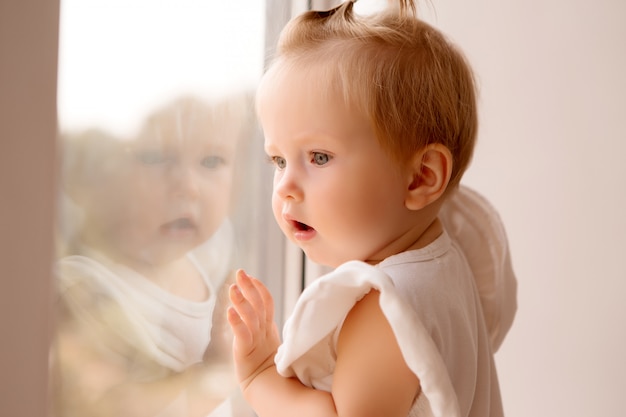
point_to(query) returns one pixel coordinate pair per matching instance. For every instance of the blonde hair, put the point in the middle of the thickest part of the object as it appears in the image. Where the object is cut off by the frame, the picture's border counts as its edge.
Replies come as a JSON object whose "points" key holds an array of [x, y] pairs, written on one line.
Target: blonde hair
{"points": [[414, 85]]}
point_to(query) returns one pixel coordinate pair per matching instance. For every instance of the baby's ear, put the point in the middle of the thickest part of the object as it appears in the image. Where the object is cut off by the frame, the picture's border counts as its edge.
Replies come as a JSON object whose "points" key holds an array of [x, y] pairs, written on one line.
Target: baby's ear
{"points": [[430, 172]]}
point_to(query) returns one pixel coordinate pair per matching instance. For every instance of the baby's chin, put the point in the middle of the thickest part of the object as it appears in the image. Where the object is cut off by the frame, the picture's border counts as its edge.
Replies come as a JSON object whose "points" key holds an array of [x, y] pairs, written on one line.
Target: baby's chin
{"points": [[332, 259], [326, 260], [164, 253]]}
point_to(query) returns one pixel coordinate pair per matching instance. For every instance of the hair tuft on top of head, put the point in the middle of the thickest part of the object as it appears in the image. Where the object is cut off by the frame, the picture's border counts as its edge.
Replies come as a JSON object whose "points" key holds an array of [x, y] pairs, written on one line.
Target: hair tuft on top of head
{"points": [[344, 8], [404, 7]]}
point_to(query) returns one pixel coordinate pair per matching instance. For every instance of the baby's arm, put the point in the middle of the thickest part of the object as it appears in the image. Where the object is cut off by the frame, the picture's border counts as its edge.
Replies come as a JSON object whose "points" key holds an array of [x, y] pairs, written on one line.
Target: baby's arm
{"points": [[371, 377]]}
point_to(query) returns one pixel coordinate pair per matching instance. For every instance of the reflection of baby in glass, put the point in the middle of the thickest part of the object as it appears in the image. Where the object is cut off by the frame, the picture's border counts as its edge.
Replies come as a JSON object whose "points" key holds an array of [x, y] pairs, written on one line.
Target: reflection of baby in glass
{"points": [[141, 277]]}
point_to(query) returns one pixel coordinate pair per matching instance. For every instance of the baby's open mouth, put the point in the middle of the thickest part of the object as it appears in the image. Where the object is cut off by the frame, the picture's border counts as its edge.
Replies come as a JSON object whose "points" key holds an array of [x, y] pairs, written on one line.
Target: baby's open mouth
{"points": [[302, 227], [180, 224]]}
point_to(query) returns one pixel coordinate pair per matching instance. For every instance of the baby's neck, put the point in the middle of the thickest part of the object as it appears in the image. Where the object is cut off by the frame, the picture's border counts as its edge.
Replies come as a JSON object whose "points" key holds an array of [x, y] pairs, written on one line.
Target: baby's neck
{"points": [[179, 277], [425, 227], [429, 235]]}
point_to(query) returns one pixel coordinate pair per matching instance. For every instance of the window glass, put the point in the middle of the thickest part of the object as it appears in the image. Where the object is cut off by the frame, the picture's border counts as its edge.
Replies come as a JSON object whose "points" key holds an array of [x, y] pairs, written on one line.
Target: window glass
{"points": [[160, 202]]}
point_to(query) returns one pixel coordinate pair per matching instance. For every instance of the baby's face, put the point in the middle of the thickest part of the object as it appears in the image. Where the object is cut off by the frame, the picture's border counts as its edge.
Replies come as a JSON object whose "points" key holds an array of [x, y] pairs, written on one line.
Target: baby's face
{"points": [[169, 193], [337, 194]]}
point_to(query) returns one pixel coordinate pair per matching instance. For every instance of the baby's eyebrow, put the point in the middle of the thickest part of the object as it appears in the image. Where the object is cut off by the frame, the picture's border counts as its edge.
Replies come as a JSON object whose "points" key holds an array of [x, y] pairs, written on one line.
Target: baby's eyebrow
{"points": [[219, 146], [269, 149]]}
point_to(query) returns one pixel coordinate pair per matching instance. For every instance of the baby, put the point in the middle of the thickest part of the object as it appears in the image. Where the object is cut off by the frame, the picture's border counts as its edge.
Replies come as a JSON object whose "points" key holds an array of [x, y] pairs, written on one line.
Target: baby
{"points": [[370, 122]]}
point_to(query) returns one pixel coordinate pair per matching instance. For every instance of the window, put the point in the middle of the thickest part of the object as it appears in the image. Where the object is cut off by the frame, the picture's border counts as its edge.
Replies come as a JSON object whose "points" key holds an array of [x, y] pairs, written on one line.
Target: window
{"points": [[163, 193]]}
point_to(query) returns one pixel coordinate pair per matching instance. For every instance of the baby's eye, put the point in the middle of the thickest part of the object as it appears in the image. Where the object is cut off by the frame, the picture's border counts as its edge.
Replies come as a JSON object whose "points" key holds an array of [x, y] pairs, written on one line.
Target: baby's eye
{"points": [[212, 161], [279, 161], [151, 157], [320, 158]]}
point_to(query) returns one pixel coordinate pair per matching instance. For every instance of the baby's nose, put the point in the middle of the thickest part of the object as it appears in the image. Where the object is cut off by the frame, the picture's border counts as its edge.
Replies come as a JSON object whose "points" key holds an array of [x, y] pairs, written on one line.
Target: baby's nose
{"points": [[186, 181], [288, 186]]}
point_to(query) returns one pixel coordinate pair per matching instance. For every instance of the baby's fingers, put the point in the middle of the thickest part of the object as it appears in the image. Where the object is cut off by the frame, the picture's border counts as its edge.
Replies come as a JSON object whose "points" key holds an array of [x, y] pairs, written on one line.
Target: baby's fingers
{"points": [[241, 332], [253, 291], [266, 299], [248, 304]]}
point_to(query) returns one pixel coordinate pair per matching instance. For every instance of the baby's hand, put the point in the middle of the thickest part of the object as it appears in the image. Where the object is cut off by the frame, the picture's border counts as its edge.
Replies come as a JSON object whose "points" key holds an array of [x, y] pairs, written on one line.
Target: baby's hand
{"points": [[251, 317]]}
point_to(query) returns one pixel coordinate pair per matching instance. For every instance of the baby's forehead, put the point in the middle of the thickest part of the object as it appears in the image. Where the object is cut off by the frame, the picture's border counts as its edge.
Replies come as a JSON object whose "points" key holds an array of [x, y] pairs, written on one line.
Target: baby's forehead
{"points": [[200, 128], [192, 119], [287, 78], [295, 70], [192, 141]]}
